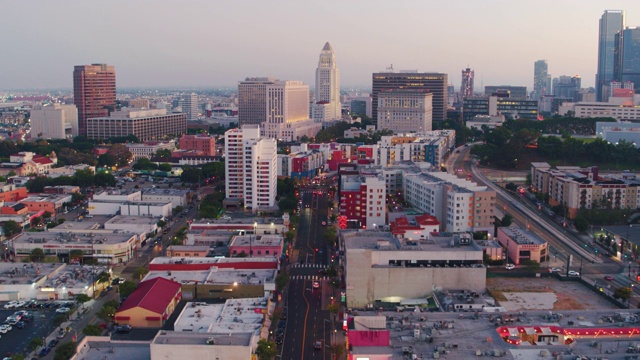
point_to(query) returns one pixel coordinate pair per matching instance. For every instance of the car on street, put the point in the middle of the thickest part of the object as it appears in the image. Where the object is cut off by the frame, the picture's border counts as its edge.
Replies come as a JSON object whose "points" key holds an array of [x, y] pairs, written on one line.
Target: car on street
{"points": [[10, 305], [62, 310], [573, 273], [316, 285], [510, 267], [554, 270], [608, 277], [61, 333], [52, 343], [44, 352], [21, 325], [324, 223], [317, 344], [5, 328]]}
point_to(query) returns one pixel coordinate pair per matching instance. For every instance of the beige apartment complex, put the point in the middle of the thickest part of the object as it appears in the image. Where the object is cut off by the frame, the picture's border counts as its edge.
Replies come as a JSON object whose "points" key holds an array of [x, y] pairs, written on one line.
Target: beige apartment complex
{"points": [[405, 111], [145, 124]]}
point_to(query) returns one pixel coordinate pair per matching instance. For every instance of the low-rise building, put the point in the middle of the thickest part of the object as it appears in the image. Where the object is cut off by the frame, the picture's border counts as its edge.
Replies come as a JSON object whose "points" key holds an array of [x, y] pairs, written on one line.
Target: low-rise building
{"points": [[105, 348], [199, 264], [10, 193], [414, 227], [150, 304], [51, 203], [61, 189], [269, 246], [204, 143], [145, 124], [204, 346], [522, 245], [108, 248], [177, 197], [187, 251], [245, 315], [380, 268], [221, 283], [69, 170], [148, 149]]}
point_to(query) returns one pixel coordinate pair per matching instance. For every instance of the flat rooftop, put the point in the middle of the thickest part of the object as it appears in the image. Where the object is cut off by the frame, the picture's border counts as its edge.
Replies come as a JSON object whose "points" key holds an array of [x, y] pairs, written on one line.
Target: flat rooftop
{"points": [[17, 273], [385, 241], [132, 220], [257, 240], [187, 338], [107, 349], [74, 276], [212, 261], [87, 224], [522, 236], [234, 316], [87, 238], [168, 192], [217, 276], [188, 248], [116, 192]]}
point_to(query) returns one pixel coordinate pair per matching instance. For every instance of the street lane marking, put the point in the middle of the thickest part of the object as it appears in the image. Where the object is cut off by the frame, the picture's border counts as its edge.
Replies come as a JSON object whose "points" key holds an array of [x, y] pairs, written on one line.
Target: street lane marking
{"points": [[306, 314]]}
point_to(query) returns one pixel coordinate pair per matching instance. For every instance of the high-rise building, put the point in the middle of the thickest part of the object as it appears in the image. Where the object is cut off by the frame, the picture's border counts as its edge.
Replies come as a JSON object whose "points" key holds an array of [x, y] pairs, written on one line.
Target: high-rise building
{"points": [[251, 168], [436, 83], [145, 124], [405, 111], [567, 87], [328, 84], [466, 89], [54, 121], [515, 92], [189, 105], [94, 92], [281, 108], [611, 23], [540, 75], [627, 56]]}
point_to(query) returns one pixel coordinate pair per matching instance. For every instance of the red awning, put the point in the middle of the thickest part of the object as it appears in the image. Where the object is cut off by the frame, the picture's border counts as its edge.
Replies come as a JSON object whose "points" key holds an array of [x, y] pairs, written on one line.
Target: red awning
{"points": [[165, 316], [153, 318], [123, 318]]}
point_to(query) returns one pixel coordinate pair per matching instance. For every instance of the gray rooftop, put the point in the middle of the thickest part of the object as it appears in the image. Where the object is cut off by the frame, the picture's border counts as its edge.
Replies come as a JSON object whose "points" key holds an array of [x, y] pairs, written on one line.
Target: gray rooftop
{"points": [[75, 238]]}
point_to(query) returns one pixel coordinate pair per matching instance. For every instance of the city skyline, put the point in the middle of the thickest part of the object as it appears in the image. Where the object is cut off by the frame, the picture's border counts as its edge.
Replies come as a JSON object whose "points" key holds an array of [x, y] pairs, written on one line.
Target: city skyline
{"points": [[212, 45]]}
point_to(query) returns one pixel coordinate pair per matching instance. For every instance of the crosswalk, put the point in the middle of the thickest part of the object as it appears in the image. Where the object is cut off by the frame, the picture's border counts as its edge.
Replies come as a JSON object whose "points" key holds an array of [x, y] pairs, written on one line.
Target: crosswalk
{"points": [[314, 266], [310, 277]]}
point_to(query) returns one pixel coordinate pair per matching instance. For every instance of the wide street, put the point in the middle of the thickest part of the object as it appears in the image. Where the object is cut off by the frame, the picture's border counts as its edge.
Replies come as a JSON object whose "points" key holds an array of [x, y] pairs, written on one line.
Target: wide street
{"points": [[309, 292]]}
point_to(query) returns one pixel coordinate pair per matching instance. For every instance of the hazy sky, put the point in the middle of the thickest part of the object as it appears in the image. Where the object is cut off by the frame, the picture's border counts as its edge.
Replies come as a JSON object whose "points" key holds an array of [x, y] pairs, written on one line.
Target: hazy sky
{"points": [[215, 43]]}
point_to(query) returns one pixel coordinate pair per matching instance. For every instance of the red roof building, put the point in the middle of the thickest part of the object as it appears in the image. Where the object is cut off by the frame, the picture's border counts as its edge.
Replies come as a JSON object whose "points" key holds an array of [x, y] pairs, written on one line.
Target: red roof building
{"points": [[415, 229], [150, 304]]}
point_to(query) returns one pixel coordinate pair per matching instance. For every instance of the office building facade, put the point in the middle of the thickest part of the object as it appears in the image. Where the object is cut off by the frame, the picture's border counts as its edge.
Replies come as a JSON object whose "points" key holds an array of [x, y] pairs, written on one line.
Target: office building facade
{"points": [[54, 121], [94, 92], [189, 105], [627, 57], [567, 87], [512, 92], [145, 124], [328, 83], [540, 74], [466, 88], [436, 83], [405, 111], [611, 23]]}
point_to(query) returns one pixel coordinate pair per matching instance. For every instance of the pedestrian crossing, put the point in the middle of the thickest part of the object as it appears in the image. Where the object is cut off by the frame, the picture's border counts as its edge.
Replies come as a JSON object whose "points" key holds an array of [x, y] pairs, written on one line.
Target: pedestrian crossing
{"points": [[313, 266], [310, 277]]}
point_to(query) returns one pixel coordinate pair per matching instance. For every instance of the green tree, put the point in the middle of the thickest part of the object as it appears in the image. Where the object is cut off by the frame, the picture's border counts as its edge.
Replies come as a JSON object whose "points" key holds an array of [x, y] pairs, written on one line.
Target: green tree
{"points": [[65, 351], [107, 160], [92, 330], [126, 288], [266, 349], [84, 178], [11, 228], [106, 313], [59, 319], [581, 224], [213, 169], [506, 220], [144, 164], [105, 179], [191, 174], [35, 343], [164, 167], [36, 255], [140, 272], [163, 153], [17, 356], [82, 298], [282, 279], [622, 293], [531, 265]]}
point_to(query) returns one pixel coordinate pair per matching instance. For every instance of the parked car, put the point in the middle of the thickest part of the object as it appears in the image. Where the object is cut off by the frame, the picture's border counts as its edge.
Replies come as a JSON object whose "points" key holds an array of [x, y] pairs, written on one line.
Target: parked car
{"points": [[5, 328], [123, 329], [21, 325], [608, 277], [510, 267], [44, 352], [62, 310], [317, 344], [52, 343], [61, 333], [10, 305], [574, 273], [554, 270]]}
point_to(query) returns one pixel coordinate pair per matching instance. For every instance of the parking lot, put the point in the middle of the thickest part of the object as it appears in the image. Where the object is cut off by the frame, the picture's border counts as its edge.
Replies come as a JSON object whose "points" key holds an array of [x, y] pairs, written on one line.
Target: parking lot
{"points": [[16, 340]]}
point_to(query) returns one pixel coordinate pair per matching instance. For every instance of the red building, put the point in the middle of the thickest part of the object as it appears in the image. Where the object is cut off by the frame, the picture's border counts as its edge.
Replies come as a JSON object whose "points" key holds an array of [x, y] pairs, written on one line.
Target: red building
{"points": [[269, 246], [203, 143], [94, 92]]}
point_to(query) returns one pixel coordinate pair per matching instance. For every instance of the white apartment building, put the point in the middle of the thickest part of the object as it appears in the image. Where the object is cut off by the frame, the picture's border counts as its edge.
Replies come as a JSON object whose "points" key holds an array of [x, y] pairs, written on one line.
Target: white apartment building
{"points": [[601, 109], [405, 111], [54, 121], [328, 86], [145, 124], [459, 204], [189, 105], [251, 167]]}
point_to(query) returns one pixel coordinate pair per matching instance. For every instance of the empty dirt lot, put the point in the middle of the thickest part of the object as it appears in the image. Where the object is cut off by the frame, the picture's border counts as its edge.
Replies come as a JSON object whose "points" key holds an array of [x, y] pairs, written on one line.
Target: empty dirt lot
{"points": [[546, 294]]}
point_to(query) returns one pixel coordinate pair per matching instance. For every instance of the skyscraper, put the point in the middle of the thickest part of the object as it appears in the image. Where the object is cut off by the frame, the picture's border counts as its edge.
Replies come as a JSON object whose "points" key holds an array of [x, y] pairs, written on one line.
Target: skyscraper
{"points": [[611, 22], [94, 92], [466, 89], [540, 75], [627, 57], [328, 83], [436, 83]]}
